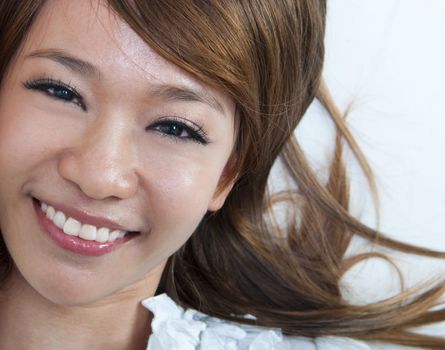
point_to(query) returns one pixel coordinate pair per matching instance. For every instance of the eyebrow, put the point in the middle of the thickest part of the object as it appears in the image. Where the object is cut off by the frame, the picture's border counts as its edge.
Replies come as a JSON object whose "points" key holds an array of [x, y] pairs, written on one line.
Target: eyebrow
{"points": [[75, 64], [166, 91], [174, 93]]}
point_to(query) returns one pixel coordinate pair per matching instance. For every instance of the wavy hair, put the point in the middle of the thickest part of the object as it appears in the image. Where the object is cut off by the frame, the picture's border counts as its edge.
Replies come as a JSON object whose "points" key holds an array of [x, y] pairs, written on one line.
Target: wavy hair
{"points": [[268, 56]]}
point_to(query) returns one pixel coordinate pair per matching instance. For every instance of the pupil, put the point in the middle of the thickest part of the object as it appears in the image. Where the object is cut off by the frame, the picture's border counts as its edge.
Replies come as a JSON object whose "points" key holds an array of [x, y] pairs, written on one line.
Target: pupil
{"points": [[173, 129], [62, 94]]}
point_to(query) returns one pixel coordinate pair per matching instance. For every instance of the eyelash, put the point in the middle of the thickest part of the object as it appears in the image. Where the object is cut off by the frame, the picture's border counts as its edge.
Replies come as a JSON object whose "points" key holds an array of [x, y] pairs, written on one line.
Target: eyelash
{"points": [[46, 85], [70, 95], [194, 131]]}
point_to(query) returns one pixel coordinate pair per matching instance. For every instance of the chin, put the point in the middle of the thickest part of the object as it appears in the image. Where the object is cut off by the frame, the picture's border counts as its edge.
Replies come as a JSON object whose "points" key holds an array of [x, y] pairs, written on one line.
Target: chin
{"points": [[68, 291]]}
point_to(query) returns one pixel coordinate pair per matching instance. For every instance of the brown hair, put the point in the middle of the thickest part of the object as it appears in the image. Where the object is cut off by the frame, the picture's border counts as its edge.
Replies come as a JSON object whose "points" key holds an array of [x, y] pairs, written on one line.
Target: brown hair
{"points": [[268, 55]]}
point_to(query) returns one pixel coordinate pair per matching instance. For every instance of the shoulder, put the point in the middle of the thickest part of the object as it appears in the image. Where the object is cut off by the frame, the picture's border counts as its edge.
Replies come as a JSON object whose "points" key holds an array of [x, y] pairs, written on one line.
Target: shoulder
{"points": [[176, 328]]}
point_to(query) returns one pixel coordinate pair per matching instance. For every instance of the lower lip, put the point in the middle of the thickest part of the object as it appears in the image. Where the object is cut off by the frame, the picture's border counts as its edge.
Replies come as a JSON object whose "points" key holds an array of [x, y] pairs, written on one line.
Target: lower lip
{"points": [[75, 244]]}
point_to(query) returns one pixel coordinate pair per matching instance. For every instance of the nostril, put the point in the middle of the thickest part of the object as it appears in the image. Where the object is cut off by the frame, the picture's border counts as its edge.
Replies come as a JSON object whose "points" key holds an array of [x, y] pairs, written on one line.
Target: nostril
{"points": [[98, 178]]}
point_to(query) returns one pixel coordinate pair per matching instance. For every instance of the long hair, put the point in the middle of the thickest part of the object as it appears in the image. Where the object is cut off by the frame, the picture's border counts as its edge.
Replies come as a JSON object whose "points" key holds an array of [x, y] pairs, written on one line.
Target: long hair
{"points": [[268, 56]]}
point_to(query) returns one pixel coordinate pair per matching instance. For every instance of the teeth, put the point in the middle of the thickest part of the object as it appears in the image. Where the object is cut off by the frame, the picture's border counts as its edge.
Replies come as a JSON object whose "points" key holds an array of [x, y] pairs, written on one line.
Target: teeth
{"points": [[88, 232], [113, 235], [73, 227], [102, 235], [59, 219], [50, 212]]}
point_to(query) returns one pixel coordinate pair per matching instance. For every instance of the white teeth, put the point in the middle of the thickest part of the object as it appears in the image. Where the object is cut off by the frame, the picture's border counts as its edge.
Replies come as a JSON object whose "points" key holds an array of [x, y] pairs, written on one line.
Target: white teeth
{"points": [[50, 212], [73, 227], [113, 235], [88, 232], [102, 235], [59, 219]]}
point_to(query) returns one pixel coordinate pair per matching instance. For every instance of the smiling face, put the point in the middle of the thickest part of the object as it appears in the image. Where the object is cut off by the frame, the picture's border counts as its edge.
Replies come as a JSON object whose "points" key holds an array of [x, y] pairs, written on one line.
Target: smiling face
{"points": [[100, 127]]}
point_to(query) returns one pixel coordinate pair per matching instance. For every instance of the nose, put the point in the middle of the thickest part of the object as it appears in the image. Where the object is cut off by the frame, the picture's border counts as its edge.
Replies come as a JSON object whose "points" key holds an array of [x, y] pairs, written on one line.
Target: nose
{"points": [[101, 164]]}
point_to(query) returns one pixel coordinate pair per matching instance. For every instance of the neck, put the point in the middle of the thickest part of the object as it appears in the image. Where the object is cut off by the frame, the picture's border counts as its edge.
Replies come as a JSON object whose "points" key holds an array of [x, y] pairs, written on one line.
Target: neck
{"points": [[29, 321]]}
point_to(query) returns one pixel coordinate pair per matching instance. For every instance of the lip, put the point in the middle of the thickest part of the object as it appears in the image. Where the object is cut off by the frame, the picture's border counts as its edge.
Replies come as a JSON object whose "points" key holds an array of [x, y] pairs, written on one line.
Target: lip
{"points": [[76, 244], [85, 217]]}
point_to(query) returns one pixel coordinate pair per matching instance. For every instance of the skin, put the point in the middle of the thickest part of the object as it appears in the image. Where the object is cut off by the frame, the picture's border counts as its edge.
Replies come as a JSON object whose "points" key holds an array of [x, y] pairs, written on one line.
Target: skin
{"points": [[108, 156]]}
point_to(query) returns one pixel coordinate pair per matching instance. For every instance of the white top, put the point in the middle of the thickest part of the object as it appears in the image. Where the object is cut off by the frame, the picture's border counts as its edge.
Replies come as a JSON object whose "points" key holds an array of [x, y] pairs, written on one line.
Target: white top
{"points": [[176, 328]]}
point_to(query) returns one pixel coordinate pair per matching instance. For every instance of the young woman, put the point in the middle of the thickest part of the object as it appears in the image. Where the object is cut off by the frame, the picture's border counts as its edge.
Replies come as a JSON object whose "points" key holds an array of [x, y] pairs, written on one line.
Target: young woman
{"points": [[136, 140]]}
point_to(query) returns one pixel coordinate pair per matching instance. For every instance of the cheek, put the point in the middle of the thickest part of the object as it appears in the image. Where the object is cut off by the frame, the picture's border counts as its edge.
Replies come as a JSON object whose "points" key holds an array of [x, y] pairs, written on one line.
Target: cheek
{"points": [[185, 191], [20, 140], [27, 133], [178, 194]]}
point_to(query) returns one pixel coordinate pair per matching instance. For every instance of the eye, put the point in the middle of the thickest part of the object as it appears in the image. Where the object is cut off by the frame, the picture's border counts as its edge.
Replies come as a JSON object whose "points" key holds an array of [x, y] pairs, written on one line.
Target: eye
{"points": [[180, 130], [58, 90]]}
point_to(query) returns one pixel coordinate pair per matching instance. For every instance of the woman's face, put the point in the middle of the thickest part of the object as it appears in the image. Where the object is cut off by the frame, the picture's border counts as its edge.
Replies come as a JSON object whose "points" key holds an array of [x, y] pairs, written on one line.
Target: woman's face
{"points": [[98, 126]]}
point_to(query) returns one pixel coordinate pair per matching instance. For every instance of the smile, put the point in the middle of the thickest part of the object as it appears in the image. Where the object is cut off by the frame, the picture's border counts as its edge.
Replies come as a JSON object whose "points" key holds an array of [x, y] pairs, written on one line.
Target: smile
{"points": [[80, 236], [74, 227]]}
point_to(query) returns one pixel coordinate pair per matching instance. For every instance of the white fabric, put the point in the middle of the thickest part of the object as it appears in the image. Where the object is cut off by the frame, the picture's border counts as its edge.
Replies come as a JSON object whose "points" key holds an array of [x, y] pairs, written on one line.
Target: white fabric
{"points": [[176, 328]]}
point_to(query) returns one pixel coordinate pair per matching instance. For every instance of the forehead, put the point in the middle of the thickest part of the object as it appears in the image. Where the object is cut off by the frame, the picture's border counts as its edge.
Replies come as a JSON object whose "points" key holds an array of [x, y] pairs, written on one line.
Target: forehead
{"points": [[89, 30]]}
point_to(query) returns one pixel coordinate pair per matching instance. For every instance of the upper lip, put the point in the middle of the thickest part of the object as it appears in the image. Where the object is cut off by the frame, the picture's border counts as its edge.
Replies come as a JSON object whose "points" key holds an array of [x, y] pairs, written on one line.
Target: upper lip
{"points": [[87, 218]]}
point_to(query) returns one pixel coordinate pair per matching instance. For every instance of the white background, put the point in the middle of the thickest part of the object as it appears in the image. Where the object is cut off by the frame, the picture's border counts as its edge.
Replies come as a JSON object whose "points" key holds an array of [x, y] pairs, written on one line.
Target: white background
{"points": [[386, 58]]}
